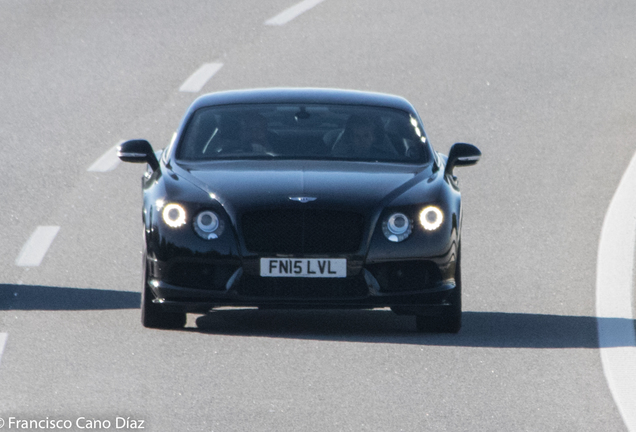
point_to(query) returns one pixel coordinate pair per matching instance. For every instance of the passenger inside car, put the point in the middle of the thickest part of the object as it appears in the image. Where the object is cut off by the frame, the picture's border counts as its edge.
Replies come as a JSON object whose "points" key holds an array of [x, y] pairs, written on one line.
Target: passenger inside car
{"points": [[363, 137], [254, 135]]}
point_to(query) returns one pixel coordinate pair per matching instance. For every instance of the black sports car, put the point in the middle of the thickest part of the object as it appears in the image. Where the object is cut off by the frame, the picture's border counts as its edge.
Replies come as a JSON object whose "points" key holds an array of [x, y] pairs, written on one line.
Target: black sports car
{"points": [[301, 198]]}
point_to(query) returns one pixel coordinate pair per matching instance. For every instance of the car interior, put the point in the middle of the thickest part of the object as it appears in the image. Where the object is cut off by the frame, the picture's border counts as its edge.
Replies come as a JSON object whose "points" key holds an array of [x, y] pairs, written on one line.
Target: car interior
{"points": [[310, 131]]}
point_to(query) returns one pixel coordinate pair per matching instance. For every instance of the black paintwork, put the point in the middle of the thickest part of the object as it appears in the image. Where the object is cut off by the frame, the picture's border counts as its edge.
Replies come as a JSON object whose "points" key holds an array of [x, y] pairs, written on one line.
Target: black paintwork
{"points": [[189, 273]]}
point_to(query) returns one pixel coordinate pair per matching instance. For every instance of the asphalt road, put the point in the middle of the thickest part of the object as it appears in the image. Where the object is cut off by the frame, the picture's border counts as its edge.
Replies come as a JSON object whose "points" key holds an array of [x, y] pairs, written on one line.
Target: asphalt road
{"points": [[545, 89]]}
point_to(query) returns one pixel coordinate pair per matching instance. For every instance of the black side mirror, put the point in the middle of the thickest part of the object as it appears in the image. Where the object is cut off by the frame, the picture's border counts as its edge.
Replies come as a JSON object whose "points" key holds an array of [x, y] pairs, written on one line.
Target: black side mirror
{"points": [[462, 154], [138, 151]]}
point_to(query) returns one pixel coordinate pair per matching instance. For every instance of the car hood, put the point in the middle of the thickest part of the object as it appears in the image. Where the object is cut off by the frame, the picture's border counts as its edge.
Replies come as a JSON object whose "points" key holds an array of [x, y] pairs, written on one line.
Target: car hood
{"points": [[276, 183]]}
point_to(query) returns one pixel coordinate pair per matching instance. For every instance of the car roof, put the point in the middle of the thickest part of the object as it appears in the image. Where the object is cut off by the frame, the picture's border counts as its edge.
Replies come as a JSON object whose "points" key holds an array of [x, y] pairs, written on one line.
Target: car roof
{"points": [[302, 95]]}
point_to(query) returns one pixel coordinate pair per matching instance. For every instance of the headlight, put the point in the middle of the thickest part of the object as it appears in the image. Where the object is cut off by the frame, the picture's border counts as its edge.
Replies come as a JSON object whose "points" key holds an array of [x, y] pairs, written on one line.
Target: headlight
{"points": [[208, 225], [174, 215], [397, 227], [431, 218]]}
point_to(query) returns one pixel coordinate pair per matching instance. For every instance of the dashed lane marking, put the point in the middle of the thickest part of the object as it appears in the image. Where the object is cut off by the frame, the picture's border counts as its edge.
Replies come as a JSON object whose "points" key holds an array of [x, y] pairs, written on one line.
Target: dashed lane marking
{"points": [[614, 284], [107, 162], [290, 13], [3, 342], [35, 248], [198, 79]]}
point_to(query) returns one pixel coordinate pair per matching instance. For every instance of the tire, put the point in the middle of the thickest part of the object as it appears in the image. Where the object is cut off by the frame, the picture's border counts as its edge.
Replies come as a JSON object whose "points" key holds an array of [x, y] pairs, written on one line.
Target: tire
{"points": [[153, 315], [451, 321]]}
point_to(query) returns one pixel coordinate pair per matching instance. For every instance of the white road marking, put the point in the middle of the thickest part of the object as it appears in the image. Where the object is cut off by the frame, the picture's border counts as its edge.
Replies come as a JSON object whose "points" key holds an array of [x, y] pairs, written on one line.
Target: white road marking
{"points": [[3, 342], [36, 247], [107, 162], [198, 79], [289, 14], [614, 284]]}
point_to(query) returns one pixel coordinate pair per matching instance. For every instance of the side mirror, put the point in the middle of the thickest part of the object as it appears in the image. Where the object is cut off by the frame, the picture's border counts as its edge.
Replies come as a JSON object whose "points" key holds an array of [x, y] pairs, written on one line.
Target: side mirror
{"points": [[138, 151], [462, 154]]}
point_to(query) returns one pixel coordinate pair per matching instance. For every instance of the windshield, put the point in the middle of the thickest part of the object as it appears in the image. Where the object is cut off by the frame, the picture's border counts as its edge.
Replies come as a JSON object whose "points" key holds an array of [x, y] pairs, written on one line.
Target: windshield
{"points": [[286, 131]]}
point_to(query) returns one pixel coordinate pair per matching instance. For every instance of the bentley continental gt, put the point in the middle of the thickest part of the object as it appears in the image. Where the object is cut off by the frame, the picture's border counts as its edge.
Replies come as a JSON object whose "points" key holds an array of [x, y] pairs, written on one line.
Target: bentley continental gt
{"points": [[301, 198]]}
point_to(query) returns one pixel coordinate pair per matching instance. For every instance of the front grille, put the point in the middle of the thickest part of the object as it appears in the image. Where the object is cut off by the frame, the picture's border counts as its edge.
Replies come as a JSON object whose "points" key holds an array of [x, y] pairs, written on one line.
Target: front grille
{"points": [[302, 231]]}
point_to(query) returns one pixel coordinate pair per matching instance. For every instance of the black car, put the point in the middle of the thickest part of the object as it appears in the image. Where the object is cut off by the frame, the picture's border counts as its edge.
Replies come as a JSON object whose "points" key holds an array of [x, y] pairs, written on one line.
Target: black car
{"points": [[301, 198]]}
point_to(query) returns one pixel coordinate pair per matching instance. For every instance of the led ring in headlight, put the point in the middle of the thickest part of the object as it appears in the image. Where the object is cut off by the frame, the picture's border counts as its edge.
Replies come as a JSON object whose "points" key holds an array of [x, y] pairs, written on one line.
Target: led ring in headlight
{"points": [[431, 218], [397, 227], [208, 225], [174, 215]]}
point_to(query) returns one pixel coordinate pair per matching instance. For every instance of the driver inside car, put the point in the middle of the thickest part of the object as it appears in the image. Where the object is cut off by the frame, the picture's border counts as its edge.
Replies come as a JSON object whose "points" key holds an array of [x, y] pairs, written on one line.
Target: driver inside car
{"points": [[363, 138], [254, 135]]}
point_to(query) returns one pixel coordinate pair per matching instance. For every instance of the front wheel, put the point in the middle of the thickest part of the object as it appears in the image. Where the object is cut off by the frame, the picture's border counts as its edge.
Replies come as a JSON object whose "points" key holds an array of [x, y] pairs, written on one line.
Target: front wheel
{"points": [[451, 320], [153, 315]]}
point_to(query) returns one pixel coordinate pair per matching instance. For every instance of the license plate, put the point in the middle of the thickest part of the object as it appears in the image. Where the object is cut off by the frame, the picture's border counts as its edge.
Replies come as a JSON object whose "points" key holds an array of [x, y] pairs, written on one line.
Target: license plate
{"points": [[304, 267]]}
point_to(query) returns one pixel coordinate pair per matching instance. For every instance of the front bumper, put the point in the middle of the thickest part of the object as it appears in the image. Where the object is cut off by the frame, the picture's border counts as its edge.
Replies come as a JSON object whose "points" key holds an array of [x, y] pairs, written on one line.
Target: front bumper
{"points": [[403, 285], [176, 298]]}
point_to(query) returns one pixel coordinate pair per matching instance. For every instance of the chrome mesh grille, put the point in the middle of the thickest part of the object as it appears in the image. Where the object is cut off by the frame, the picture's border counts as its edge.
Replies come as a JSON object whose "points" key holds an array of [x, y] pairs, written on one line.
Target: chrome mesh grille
{"points": [[302, 231]]}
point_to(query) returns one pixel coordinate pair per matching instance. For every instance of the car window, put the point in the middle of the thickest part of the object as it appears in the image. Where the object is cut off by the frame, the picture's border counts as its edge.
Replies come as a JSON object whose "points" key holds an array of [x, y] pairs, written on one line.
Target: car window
{"points": [[311, 131]]}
